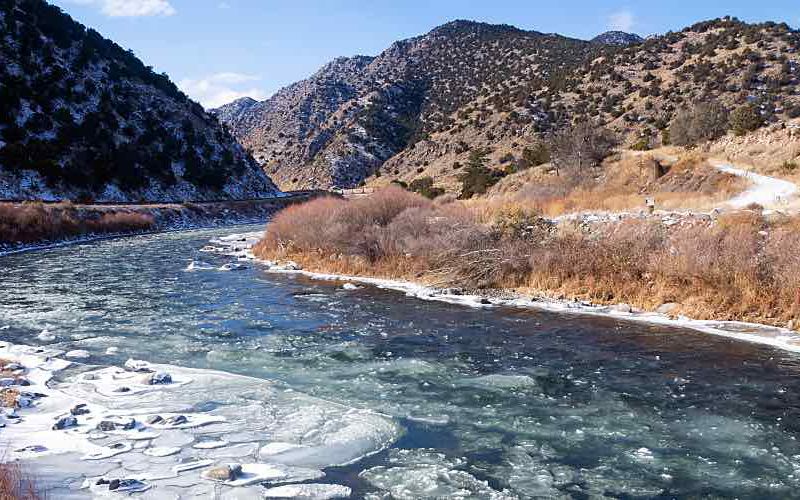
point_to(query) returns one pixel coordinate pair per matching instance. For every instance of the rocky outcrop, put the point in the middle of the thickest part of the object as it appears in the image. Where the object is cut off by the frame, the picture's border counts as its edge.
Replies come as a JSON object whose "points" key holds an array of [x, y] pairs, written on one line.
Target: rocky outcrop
{"points": [[617, 38]]}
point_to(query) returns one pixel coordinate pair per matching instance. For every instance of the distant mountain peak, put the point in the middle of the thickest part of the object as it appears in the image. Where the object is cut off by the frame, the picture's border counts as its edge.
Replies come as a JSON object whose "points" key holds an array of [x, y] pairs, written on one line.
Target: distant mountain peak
{"points": [[617, 38]]}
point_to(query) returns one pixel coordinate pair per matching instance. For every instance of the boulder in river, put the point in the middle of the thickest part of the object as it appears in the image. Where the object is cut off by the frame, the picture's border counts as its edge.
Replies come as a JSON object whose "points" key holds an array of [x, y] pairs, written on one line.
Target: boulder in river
{"points": [[160, 378], [65, 423], [228, 472], [80, 409], [176, 420], [154, 419]]}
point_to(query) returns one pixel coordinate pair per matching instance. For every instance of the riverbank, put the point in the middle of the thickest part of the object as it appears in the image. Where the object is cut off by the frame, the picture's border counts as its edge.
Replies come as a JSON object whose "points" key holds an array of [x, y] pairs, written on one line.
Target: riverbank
{"points": [[35, 225], [241, 245], [739, 266]]}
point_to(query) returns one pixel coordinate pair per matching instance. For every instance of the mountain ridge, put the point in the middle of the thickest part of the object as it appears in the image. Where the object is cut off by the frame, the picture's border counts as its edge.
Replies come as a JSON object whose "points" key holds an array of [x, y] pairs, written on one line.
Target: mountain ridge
{"points": [[421, 106], [82, 118]]}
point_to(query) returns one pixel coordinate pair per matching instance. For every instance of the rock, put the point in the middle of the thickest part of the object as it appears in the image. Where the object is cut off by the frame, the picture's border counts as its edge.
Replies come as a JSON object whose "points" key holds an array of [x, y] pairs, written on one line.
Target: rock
{"points": [[110, 425], [176, 420], [122, 389], [65, 423], [160, 378], [623, 308], [224, 473], [91, 376], [484, 300], [24, 402], [36, 448], [106, 426], [77, 354], [123, 485], [80, 409], [668, 308], [154, 419]]}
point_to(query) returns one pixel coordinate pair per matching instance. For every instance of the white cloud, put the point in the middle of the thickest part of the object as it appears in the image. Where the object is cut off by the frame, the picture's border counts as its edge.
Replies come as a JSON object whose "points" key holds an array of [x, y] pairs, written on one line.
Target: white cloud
{"points": [[132, 8], [215, 90], [621, 21]]}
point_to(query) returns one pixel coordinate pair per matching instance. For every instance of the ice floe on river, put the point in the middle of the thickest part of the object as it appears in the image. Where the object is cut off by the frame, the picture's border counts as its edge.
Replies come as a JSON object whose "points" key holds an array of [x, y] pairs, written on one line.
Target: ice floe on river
{"points": [[178, 432]]}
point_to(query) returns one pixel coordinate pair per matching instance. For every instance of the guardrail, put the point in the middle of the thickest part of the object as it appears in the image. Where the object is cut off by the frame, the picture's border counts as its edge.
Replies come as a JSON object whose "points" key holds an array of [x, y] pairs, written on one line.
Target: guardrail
{"points": [[350, 191], [287, 195]]}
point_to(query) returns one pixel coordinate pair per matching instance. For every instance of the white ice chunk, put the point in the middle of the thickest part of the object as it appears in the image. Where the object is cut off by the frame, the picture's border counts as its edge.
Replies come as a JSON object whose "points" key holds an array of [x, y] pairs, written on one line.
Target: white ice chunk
{"points": [[162, 451], [310, 491]]}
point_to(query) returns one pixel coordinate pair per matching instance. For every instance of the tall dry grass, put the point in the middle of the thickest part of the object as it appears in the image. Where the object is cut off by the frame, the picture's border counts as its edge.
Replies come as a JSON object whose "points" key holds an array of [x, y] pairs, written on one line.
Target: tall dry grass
{"points": [[35, 222], [623, 185], [15, 484], [741, 266]]}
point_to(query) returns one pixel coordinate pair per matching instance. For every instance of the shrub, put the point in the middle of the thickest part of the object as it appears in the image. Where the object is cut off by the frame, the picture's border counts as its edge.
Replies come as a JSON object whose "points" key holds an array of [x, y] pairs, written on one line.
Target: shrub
{"points": [[425, 187], [745, 118], [703, 121], [536, 155], [741, 266], [15, 484], [580, 147], [478, 178], [35, 222]]}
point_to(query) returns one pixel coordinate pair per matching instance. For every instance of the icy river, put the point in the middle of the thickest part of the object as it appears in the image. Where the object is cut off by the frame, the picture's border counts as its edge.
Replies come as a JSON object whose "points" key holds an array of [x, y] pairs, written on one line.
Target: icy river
{"points": [[383, 394]]}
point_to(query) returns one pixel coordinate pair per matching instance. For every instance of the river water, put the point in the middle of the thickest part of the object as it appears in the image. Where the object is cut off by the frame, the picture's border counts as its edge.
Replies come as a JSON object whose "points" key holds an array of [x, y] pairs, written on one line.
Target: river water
{"points": [[492, 403]]}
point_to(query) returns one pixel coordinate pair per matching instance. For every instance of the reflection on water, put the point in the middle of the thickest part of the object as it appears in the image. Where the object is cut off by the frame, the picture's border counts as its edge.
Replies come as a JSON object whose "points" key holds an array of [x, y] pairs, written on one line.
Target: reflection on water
{"points": [[495, 403]]}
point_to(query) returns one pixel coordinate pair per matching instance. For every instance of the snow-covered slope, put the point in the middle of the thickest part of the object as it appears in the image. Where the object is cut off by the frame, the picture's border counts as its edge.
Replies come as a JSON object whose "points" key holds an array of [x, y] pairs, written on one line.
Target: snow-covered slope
{"points": [[82, 118]]}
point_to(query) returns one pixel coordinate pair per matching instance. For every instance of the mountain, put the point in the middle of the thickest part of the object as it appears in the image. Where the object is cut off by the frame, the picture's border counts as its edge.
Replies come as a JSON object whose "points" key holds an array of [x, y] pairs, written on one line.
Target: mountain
{"points": [[617, 38], [82, 118], [421, 107]]}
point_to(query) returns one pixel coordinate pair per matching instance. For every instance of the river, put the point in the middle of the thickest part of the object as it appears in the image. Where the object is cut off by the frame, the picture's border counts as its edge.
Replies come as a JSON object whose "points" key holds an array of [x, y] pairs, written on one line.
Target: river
{"points": [[491, 403]]}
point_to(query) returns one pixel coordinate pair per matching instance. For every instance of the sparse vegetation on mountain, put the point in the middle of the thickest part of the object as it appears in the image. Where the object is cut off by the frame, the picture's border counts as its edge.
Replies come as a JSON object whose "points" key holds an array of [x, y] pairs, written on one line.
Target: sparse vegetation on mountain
{"points": [[468, 85], [80, 117]]}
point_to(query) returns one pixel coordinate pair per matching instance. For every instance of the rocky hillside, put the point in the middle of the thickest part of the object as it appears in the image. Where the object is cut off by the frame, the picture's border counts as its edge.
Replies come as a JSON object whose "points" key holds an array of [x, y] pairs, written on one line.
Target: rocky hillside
{"points": [[81, 118], [423, 106], [617, 38]]}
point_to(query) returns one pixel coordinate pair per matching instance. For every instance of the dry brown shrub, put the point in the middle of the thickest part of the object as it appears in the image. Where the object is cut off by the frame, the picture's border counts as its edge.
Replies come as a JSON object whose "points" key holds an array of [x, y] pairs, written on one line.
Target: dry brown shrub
{"points": [[741, 266], [15, 484], [34, 221]]}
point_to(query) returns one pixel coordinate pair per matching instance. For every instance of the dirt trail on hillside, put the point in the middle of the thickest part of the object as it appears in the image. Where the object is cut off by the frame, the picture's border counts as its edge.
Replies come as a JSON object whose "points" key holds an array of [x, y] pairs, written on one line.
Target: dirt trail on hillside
{"points": [[768, 192]]}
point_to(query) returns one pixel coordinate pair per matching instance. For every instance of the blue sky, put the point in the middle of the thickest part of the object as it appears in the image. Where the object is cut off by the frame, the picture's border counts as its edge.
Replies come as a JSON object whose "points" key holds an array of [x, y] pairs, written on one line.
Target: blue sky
{"points": [[219, 50]]}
